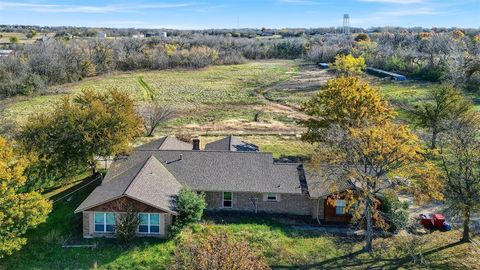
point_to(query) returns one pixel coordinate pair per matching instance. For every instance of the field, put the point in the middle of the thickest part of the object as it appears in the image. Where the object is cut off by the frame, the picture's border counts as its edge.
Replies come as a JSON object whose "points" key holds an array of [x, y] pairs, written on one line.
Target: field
{"points": [[5, 37], [220, 100], [259, 100], [284, 246], [214, 101]]}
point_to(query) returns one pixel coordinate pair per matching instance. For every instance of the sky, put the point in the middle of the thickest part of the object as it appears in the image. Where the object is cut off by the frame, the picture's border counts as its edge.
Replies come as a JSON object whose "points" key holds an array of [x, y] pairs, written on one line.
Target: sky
{"points": [[207, 14]]}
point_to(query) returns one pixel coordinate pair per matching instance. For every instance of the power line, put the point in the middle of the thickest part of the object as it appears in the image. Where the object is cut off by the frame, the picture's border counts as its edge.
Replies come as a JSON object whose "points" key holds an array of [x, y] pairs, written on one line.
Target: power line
{"points": [[98, 177]]}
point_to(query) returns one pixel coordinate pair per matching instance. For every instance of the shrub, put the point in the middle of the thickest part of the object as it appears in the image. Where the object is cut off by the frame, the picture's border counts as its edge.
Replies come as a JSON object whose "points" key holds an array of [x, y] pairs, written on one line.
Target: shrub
{"points": [[219, 250], [395, 211], [190, 207], [362, 37], [14, 40], [127, 224], [349, 65]]}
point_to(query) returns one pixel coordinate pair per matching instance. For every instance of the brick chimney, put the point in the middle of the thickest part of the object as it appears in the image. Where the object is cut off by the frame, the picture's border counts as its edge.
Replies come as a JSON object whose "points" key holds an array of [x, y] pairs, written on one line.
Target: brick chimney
{"points": [[196, 144]]}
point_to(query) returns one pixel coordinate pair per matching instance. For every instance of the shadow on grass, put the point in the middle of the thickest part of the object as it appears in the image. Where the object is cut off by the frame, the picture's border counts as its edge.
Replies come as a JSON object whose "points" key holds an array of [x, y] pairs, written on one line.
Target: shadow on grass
{"points": [[353, 260]]}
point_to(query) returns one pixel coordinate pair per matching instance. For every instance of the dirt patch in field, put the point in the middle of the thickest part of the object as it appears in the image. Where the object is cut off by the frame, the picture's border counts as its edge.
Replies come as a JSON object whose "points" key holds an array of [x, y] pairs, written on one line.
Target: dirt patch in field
{"points": [[238, 127], [309, 78]]}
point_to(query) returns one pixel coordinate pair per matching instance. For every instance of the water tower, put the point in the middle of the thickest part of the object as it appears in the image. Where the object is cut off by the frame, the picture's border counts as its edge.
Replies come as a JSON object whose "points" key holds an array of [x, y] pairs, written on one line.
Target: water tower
{"points": [[346, 24]]}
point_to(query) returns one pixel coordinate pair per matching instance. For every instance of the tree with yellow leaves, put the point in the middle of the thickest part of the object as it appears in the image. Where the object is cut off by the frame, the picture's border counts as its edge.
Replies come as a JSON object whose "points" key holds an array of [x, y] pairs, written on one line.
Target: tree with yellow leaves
{"points": [[349, 65], [346, 101], [18, 211], [373, 159], [363, 146]]}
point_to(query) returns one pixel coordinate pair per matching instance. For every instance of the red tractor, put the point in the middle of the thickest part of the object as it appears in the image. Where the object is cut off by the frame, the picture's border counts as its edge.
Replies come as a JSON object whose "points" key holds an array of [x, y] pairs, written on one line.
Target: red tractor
{"points": [[434, 222]]}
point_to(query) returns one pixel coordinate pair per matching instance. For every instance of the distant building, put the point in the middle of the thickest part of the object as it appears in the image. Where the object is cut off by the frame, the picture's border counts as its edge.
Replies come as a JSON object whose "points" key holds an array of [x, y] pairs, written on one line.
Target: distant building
{"points": [[156, 34], [6, 54], [102, 35], [138, 36]]}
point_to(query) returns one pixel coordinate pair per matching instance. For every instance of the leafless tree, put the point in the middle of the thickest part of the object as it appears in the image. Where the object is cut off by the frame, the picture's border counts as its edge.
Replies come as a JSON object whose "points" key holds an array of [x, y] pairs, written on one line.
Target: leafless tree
{"points": [[154, 115]]}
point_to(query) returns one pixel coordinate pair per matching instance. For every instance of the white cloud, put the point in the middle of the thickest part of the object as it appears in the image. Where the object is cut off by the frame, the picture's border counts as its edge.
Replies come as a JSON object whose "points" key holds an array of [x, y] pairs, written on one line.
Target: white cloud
{"points": [[50, 8]]}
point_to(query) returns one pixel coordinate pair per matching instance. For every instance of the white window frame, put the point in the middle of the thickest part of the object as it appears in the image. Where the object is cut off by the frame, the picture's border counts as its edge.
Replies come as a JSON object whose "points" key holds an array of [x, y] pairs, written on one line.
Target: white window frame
{"points": [[104, 222], [343, 205], [149, 223], [223, 199], [272, 200]]}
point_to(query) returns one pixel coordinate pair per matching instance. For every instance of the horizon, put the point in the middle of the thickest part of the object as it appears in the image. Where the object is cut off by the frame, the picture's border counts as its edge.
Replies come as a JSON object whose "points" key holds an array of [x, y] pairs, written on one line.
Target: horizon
{"points": [[214, 14]]}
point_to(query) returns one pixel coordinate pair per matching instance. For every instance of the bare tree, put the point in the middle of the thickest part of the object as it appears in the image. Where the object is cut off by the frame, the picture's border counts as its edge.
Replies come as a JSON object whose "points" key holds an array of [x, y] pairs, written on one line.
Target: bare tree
{"points": [[154, 115]]}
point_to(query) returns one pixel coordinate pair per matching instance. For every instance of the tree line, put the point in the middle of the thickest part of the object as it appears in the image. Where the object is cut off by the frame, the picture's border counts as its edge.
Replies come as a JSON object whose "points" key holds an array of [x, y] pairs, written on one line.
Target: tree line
{"points": [[445, 56]]}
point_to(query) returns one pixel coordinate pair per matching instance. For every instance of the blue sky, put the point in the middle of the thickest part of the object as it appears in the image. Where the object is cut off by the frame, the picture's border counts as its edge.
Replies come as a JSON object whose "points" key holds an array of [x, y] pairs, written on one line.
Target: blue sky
{"points": [[204, 14]]}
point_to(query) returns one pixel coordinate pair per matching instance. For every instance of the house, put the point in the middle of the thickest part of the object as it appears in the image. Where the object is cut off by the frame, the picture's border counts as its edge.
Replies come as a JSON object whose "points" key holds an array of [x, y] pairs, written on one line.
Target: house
{"points": [[5, 54], [233, 174], [102, 35]]}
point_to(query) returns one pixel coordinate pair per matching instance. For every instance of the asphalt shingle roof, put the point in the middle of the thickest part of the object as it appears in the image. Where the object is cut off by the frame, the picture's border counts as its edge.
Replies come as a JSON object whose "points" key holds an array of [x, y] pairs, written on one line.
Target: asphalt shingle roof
{"points": [[147, 181], [231, 143], [166, 143], [153, 175], [219, 170], [323, 181]]}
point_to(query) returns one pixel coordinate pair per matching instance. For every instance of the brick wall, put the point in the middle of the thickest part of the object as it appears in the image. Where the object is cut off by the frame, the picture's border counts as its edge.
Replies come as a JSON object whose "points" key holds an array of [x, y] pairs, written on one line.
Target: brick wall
{"points": [[120, 206], [296, 204]]}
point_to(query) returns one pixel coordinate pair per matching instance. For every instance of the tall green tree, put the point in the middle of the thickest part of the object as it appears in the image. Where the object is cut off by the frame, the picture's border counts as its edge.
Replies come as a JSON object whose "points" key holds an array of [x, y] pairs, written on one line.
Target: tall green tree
{"points": [[92, 125], [18, 211], [460, 154], [445, 103]]}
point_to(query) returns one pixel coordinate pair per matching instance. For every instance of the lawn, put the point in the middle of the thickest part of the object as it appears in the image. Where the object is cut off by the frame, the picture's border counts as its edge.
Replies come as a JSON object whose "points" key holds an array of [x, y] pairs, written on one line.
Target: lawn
{"points": [[284, 246]]}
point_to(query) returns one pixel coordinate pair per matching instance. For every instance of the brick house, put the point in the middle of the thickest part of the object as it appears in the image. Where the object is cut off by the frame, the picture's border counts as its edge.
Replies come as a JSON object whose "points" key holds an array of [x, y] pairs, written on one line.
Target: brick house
{"points": [[232, 173]]}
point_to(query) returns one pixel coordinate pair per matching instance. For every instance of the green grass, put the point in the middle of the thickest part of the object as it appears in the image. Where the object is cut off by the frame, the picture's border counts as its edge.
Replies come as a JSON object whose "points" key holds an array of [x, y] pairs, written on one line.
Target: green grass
{"points": [[284, 246]]}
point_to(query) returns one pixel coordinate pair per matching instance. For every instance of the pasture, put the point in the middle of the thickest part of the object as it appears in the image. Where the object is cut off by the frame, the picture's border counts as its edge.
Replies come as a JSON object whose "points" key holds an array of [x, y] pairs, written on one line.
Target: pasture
{"points": [[259, 100]]}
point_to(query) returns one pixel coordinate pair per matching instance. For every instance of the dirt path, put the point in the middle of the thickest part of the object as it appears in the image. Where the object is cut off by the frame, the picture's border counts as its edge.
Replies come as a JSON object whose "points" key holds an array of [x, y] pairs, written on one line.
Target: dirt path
{"points": [[308, 79]]}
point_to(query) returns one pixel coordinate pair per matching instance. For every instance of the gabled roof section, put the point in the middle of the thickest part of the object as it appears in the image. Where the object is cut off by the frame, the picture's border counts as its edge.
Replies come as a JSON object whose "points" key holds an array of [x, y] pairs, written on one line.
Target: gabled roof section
{"points": [[146, 181], [166, 143], [231, 143], [325, 180], [218, 170]]}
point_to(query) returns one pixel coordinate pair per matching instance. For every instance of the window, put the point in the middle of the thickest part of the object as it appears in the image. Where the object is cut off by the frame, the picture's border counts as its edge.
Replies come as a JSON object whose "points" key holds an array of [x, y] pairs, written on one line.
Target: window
{"points": [[227, 199], [340, 207], [272, 197], [104, 222], [149, 223]]}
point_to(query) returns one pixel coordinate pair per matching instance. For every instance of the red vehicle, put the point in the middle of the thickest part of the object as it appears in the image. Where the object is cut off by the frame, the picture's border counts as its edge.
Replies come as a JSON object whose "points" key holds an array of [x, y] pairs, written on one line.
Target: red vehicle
{"points": [[435, 221]]}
